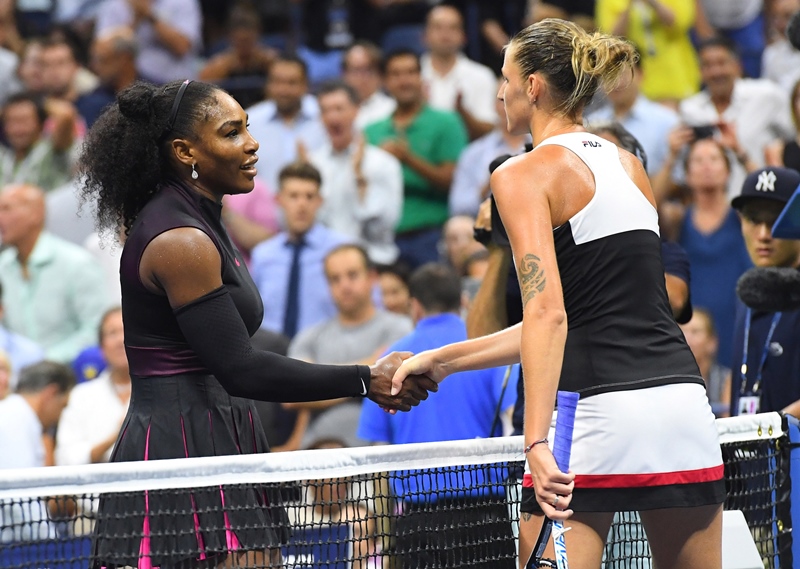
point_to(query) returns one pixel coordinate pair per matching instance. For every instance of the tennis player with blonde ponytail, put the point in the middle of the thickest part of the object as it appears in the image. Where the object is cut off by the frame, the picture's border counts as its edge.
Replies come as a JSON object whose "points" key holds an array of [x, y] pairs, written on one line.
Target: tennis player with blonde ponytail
{"points": [[582, 222]]}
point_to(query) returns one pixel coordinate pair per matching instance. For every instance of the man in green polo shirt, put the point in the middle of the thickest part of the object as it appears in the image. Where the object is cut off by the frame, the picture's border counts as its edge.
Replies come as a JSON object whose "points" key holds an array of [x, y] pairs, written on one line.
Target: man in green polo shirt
{"points": [[427, 142]]}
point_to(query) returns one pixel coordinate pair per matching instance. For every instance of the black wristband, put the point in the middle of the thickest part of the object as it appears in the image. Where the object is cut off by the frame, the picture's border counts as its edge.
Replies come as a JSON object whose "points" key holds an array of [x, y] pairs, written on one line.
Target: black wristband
{"points": [[482, 235], [365, 374]]}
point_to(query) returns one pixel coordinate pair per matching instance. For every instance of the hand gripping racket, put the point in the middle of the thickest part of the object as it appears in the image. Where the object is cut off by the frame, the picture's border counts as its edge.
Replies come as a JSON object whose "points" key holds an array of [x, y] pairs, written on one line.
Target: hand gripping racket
{"points": [[562, 446]]}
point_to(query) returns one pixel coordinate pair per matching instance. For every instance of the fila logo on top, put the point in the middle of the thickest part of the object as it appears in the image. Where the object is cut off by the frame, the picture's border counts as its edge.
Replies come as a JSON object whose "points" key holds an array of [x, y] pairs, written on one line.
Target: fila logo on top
{"points": [[766, 181], [592, 144]]}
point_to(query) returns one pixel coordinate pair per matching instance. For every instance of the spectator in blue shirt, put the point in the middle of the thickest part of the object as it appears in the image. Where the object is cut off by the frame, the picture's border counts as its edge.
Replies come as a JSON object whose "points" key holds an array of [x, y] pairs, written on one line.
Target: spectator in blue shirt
{"points": [[466, 409], [766, 345], [471, 177], [287, 124], [710, 231], [288, 269]]}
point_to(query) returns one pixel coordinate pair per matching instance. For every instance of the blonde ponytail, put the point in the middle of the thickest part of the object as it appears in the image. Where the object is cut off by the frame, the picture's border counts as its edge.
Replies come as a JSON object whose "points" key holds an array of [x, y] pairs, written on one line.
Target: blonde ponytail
{"points": [[575, 62]]}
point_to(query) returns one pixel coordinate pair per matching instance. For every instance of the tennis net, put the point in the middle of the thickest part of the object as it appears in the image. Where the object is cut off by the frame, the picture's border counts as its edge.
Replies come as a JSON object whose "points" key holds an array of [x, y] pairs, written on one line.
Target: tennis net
{"points": [[452, 504]]}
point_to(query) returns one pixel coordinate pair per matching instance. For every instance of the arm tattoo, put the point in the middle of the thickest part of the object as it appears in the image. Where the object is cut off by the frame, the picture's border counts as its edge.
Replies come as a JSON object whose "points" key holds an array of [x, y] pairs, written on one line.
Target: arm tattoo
{"points": [[531, 277], [526, 516]]}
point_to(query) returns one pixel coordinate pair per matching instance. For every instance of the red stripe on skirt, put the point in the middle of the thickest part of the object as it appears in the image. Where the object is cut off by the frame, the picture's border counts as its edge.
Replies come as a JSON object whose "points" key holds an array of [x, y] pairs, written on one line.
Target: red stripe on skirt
{"points": [[700, 475], [642, 480]]}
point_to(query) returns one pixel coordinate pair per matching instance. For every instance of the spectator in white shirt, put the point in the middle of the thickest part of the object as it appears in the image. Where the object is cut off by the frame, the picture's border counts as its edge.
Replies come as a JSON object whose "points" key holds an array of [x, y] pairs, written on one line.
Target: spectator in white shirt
{"points": [[41, 396], [749, 113], [362, 185], [91, 421], [454, 82], [361, 69], [42, 393]]}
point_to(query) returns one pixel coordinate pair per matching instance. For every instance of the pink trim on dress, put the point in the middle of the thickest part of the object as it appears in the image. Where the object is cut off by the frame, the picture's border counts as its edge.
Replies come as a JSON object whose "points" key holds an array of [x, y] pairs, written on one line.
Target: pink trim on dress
{"points": [[144, 544], [264, 496], [230, 538], [198, 535], [253, 430], [231, 541]]}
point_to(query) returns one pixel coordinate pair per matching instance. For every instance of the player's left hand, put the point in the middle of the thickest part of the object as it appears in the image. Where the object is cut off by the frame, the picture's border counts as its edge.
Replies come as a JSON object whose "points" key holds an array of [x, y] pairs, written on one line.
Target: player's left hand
{"points": [[553, 488]]}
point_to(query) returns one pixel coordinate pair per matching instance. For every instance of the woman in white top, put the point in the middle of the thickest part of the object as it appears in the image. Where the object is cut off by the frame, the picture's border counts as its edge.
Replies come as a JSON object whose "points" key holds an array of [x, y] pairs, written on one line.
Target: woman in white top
{"points": [[583, 227]]}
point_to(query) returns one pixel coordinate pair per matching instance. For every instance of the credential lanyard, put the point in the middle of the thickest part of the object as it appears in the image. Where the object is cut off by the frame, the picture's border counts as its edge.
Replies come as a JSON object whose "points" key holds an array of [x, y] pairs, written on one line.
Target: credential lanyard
{"points": [[764, 352]]}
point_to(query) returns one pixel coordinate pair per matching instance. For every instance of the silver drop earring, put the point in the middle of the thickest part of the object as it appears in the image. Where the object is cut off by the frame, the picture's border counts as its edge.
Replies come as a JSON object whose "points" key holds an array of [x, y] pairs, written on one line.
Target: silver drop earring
{"points": [[195, 175]]}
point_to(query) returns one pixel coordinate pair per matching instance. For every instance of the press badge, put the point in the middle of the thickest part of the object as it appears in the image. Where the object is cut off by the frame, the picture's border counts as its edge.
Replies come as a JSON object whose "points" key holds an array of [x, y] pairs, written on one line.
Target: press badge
{"points": [[748, 405]]}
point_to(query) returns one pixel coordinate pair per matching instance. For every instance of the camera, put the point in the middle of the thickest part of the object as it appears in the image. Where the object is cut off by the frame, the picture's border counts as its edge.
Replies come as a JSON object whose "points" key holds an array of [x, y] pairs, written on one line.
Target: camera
{"points": [[704, 131]]}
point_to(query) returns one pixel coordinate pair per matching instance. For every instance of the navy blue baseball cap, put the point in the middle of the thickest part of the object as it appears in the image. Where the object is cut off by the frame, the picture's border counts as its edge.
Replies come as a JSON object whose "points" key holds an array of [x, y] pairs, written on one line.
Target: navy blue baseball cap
{"points": [[770, 183]]}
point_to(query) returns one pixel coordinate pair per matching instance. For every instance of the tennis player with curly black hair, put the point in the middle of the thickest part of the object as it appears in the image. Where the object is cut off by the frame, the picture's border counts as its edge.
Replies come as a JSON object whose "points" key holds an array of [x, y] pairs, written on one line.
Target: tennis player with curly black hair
{"points": [[158, 163]]}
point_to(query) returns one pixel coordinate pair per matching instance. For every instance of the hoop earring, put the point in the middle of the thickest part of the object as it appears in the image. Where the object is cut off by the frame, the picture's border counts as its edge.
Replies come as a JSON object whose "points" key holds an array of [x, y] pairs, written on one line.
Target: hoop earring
{"points": [[195, 175]]}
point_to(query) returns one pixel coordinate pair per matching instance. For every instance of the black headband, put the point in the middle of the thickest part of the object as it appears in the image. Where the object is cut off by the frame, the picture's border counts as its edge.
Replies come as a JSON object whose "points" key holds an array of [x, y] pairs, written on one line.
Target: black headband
{"points": [[173, 114]]}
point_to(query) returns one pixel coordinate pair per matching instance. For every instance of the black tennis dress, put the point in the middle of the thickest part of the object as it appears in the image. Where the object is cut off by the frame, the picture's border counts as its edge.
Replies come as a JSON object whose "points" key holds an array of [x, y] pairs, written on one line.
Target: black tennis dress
{"points": [[179, 409]]}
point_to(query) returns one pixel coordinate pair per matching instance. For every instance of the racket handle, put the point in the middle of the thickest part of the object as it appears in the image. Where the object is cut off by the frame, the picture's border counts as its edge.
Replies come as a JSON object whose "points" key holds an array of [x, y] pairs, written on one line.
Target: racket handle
{"points": [[565, 421]]}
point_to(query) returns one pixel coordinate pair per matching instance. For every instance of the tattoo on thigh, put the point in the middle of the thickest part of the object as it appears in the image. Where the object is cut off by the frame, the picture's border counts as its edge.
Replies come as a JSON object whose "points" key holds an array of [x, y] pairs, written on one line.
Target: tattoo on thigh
{"points": [[527, 516], [531, 277]]}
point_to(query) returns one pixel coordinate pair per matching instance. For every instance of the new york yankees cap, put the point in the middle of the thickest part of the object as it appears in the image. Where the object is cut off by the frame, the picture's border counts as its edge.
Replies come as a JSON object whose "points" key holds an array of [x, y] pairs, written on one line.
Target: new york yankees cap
{"points": [[770, 183]]}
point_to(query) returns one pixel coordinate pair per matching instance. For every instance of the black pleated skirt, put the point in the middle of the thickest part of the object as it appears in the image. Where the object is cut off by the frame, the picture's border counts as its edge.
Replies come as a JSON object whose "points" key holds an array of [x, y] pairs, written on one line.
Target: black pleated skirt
{"points": [[176, 417]]}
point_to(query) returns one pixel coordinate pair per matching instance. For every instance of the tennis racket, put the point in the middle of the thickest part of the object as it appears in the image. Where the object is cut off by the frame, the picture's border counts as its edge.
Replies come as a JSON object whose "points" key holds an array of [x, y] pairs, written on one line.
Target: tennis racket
{"points": [[562, 447]]}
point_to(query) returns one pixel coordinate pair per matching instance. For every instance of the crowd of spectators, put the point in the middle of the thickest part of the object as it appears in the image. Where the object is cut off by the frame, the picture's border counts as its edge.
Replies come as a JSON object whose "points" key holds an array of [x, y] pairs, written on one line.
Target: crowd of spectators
{"points": [[377, 123]]}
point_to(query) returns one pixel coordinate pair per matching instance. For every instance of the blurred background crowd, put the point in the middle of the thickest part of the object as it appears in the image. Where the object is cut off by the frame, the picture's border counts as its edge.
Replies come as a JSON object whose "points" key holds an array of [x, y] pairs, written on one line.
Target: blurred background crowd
{"points": [[377, 122]]}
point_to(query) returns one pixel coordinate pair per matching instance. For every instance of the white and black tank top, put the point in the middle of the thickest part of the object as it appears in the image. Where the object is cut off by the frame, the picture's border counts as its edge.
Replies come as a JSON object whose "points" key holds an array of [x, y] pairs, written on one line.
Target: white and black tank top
{"points": [[622, 334]]}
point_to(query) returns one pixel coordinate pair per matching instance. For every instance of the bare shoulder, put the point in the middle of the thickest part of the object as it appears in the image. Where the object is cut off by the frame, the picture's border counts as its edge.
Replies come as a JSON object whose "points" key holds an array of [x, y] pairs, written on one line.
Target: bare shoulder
{"points": [[635, 170], [551, 172], [182, 263], [541, 164]]}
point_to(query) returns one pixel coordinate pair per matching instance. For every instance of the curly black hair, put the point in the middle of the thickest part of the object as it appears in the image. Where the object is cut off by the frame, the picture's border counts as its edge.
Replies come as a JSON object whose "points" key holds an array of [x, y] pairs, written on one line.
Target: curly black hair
{"points": [[126, 153]]}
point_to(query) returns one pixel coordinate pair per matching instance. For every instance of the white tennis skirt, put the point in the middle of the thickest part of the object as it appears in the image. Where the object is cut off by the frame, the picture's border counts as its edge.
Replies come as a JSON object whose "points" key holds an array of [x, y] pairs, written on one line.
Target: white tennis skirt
{"points": [[643, 449]]}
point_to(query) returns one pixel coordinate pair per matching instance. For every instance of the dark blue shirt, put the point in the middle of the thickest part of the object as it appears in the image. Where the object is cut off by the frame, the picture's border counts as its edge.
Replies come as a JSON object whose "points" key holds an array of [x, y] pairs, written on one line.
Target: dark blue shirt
{"points": [[463, 408], [717, 259], [780, 377], [676, 263], [91, 105]]}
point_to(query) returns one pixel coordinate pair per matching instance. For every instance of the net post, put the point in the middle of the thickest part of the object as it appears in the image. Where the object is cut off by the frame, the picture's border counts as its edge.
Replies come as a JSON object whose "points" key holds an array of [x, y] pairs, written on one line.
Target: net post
{"points": [[793, 464]]}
